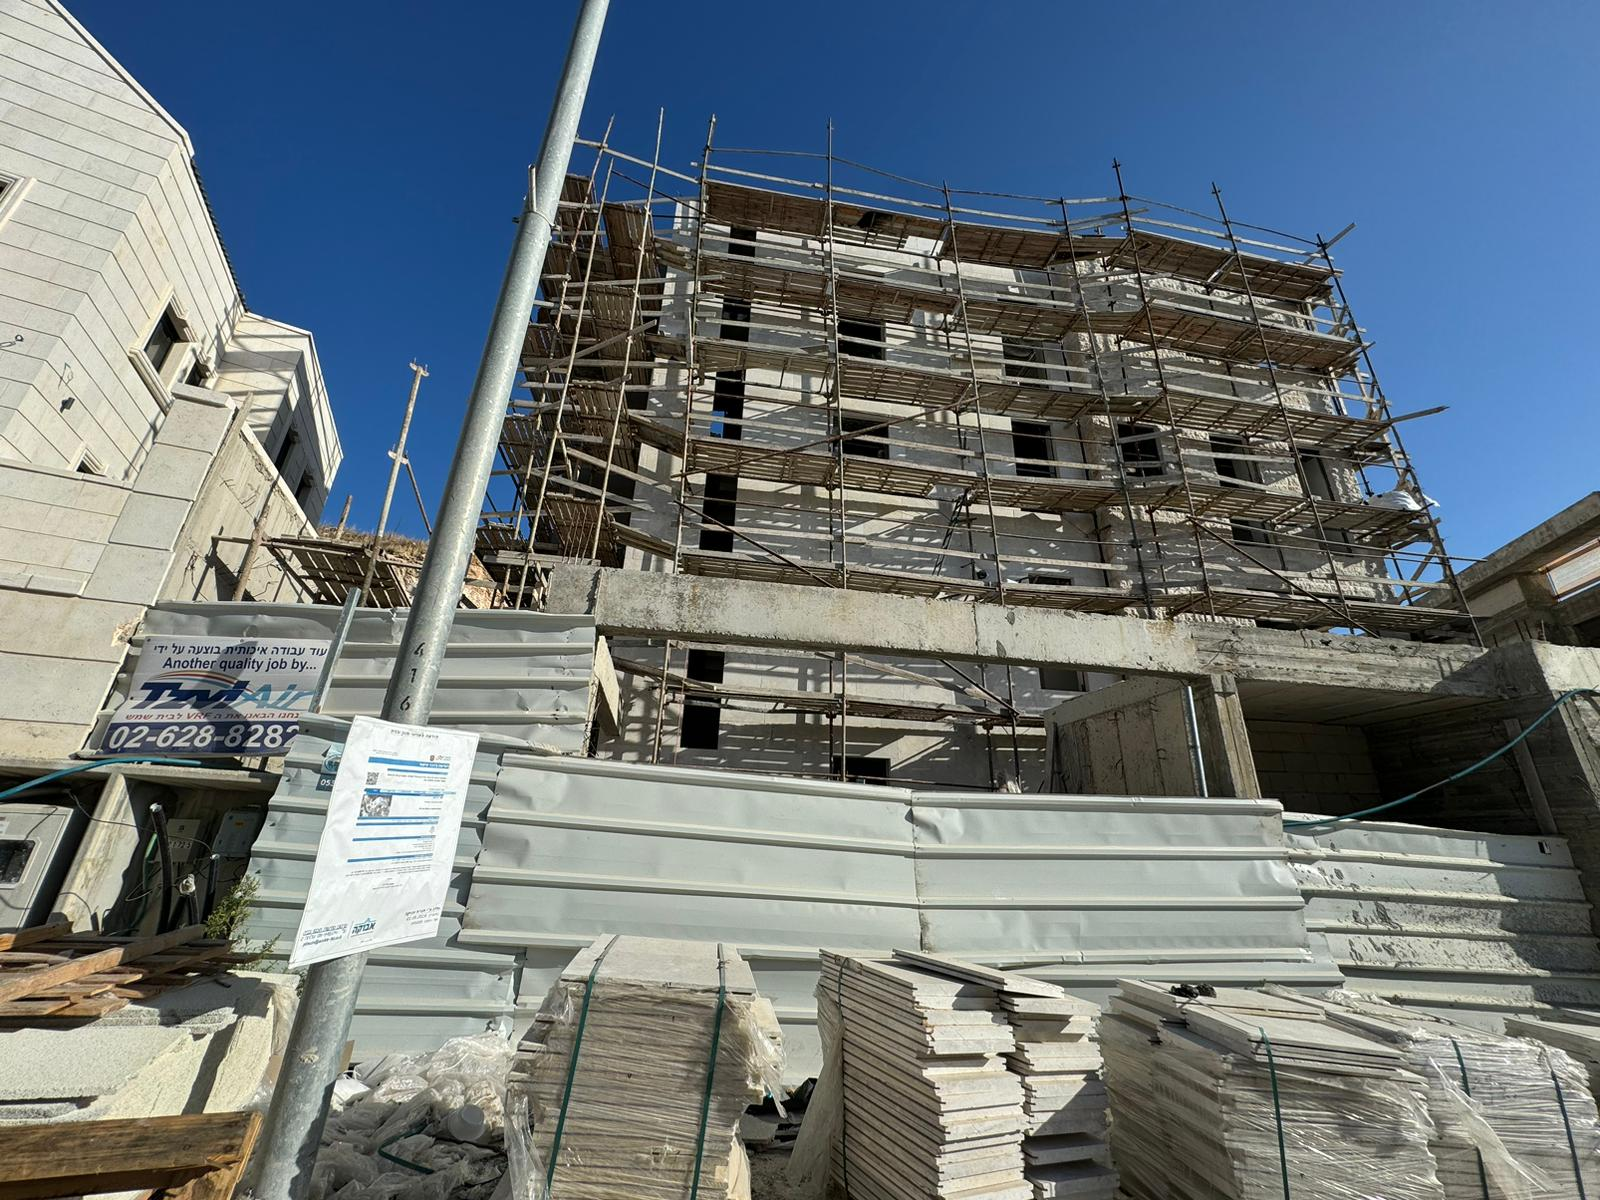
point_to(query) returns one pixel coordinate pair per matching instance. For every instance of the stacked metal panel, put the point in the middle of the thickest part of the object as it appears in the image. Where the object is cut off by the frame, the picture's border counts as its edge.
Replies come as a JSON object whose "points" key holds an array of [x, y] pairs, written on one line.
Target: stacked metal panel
{"points": [[1256, 1097], [1476, 926], [929, 1108], [1077, 889]]}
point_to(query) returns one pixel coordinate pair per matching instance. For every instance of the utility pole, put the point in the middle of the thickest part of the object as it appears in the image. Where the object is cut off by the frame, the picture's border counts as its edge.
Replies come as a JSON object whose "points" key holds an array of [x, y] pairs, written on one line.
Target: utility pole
{"points": [[322, 1023], [417, 375]]}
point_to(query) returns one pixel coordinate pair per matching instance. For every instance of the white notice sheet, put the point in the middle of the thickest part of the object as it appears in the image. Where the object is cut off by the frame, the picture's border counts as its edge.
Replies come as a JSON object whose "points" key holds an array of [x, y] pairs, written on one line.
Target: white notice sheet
{"points": [[389, 843]]}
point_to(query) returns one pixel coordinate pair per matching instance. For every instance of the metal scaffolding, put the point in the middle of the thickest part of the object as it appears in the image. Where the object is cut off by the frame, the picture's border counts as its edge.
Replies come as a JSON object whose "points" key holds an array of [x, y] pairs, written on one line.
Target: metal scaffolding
{"points": [[1104, 405]]}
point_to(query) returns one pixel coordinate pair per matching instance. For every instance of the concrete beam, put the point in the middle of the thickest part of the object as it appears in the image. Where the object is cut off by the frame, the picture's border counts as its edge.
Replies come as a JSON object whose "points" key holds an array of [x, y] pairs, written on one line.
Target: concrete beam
{"points": [[740, 612]]}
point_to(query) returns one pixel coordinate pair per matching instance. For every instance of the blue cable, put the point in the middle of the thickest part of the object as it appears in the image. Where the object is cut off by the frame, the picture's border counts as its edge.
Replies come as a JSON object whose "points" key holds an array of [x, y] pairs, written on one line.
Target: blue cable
{"points": [[1461, 774], [30, 784]]}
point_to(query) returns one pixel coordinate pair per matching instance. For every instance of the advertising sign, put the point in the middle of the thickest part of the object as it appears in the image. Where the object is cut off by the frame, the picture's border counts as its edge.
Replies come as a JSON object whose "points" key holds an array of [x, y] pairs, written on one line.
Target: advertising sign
{"points": [[389, 844], [223, 696]]}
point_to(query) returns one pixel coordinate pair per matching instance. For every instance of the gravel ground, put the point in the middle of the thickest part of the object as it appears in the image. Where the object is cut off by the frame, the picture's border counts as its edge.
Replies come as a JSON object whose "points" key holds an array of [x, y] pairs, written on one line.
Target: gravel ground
{"points": [[769, 1176]]}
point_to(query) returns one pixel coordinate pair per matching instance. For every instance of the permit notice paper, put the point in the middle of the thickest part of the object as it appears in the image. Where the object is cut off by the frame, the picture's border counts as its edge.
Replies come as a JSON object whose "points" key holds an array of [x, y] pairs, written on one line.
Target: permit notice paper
{"points": [[389, 844]]}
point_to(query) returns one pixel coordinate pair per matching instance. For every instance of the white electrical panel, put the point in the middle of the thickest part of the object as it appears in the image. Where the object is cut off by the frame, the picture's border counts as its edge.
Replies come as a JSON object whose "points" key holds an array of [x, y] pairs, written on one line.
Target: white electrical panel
{"points": [[37, 844]]}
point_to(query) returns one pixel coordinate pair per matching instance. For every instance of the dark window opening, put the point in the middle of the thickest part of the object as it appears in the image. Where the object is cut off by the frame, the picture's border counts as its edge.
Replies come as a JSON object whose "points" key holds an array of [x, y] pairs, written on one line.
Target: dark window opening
{"points": [[1023, 361], [198, 373], [158, 346], [707, 666], [736, 320], [741, 241], [870, 219], [721, 504], [1141, 450], [702, 715], [1062, 679], [1250, 533], [862, 768], [1319, 481], [870, 446], [702, 725], [861, 337], [727, 406], [1031, 440], [1231, 471], [303, 489], [636, 398], [291, 439]]}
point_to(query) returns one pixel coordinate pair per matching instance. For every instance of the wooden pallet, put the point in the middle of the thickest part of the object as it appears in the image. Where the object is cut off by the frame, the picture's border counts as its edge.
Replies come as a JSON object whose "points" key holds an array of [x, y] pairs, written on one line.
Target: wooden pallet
{"points": [[194, 1157], [51, 974]]}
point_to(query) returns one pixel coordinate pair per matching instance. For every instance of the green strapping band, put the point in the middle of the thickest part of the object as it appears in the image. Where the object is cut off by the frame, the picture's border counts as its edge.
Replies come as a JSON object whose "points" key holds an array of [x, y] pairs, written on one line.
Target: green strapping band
{"points": [[1577, 1171], [572, 1066], [711, 1070], [1277, 1111], [1483, 1177]]}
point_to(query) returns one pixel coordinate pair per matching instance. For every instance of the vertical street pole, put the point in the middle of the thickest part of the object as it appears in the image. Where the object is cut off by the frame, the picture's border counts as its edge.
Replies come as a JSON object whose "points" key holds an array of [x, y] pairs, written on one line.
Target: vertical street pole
{"points": [[417, 375], [311, 1060]]}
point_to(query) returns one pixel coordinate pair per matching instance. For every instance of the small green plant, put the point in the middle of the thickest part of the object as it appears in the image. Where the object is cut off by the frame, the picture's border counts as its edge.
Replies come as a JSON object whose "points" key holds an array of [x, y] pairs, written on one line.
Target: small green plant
{"points": [[228, 917]]}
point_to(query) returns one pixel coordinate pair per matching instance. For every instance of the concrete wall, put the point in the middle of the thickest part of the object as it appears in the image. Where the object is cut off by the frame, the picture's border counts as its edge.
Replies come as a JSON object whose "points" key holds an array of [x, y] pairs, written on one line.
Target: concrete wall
{"points": [[1314, 768]]}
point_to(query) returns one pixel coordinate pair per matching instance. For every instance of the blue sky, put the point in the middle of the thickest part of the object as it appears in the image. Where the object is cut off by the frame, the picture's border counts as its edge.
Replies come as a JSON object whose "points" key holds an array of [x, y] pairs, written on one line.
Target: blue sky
{"points": [[365, 161]]}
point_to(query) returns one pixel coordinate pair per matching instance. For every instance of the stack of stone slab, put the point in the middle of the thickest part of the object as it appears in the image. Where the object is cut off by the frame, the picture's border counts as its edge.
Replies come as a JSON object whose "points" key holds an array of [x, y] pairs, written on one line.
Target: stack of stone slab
{"points": [[638, 1067], [928, 1106], [1574, 1033], [1511, 1117], [1235, 1093], [1064, 1147]]}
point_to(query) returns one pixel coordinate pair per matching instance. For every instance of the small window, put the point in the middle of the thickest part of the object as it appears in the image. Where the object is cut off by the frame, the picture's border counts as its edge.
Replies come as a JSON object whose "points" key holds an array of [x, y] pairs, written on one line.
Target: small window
{"points": [[861, 337], [721, 504], [860, 768], [707, 666], [1141, 450], [199, 372], [1233, 471], [1030, 440], [1061, 679], [1023, 361], [304, 489], [736, 320], [702, 725], [868, 446], [727, 406], [291, 439], [1319, 480], [702, 715], [741, 241], [159, 345]]}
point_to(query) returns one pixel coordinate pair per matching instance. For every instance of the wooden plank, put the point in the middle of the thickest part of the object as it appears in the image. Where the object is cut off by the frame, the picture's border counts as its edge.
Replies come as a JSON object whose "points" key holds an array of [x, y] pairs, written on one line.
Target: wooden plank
{"points": [[39, 933], [202, 1154], [16, 985]]}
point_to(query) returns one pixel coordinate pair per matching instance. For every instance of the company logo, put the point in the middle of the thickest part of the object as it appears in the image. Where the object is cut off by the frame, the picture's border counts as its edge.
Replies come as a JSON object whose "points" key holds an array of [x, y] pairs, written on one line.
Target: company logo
{"points": [[215, 689], [364, 926]]}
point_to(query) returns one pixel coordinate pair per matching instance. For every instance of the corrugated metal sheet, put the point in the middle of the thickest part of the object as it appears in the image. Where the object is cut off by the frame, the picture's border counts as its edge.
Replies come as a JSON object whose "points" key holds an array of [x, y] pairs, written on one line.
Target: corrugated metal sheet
{"points": [[522, 675], [413, 996], [1087, 889], [1089, 886], [1474, 923]]}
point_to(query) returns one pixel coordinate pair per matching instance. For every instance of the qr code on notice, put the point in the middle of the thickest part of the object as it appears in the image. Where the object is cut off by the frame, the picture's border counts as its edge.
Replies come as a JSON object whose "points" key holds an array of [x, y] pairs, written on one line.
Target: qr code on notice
{"points": [[372, 778]]}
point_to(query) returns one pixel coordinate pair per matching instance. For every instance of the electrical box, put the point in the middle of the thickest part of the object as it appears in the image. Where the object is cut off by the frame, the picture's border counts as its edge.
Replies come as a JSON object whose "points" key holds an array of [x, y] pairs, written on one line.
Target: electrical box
{"points": [[37, 844], [183, 834], [237, 832]]}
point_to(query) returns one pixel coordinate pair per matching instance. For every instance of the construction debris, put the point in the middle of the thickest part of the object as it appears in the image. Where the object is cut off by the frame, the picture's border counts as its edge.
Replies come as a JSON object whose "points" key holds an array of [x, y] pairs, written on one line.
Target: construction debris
{"points": [[420, 1127], [638, 1068], [1258, 1097], [209, 1046], [199, 1156]]}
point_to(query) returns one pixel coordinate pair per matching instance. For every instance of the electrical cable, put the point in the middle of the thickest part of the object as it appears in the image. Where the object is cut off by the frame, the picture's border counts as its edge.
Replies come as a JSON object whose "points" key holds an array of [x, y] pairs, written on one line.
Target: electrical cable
{"points": [[28, 785], [1364, 813]]}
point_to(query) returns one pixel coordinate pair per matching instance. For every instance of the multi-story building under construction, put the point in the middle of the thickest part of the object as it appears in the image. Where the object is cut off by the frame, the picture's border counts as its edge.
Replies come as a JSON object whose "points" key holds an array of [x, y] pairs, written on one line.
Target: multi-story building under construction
{"points": [[1105, 405]]}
